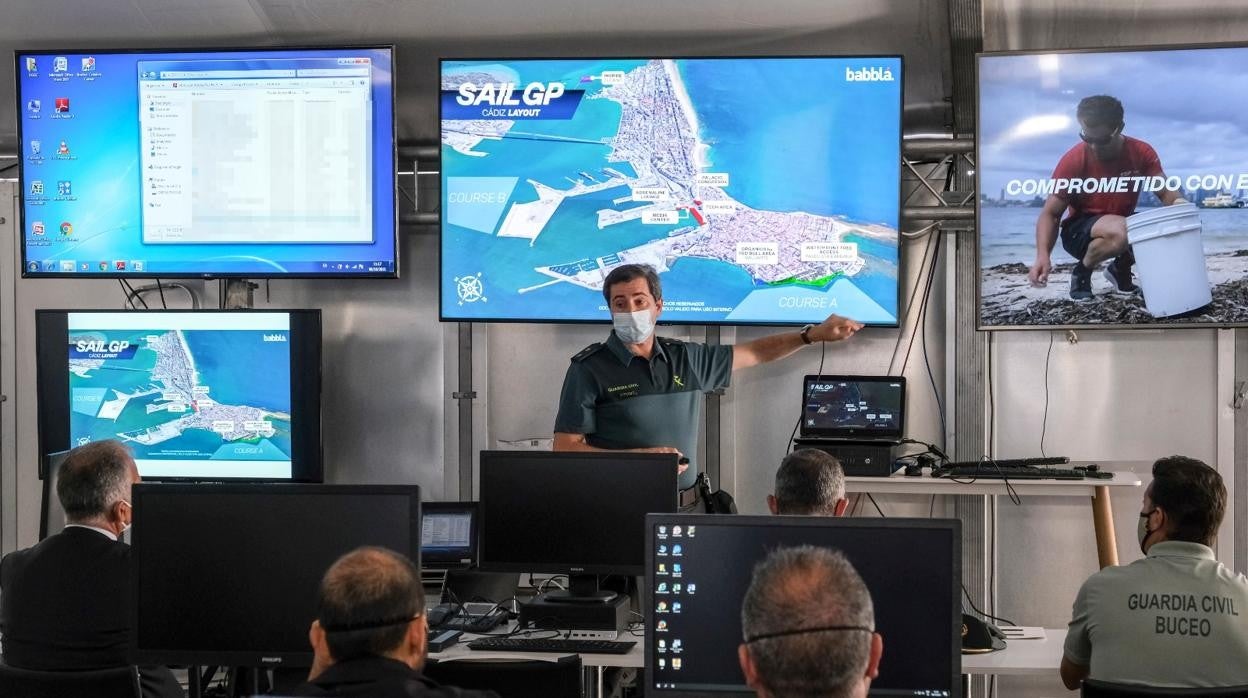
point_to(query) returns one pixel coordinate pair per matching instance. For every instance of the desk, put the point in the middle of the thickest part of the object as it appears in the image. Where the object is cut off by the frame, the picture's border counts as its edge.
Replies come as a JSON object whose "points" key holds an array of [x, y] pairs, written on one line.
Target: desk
{"points": [[1021, 657], [1098, 490]]}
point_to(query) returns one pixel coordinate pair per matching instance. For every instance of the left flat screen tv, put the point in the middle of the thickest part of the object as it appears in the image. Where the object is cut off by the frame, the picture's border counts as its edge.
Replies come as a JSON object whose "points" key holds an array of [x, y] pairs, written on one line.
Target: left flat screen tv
{"points": [[196, 395], [221, 163]]}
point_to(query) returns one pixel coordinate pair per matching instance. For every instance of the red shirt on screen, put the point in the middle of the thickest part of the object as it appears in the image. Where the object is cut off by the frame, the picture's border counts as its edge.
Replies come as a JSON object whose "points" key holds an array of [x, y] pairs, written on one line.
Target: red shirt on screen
{"points": [[1137, 159]]}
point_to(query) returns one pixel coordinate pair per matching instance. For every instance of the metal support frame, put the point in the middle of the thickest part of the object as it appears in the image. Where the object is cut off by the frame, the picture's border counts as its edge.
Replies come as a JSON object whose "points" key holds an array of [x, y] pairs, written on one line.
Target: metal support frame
{"points": [[464, 394], [710, 461]]}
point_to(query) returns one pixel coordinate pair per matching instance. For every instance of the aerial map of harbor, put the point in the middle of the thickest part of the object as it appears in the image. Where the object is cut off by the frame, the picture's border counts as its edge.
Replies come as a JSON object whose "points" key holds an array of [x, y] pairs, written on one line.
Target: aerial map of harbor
{"points": [[183, 394], [761, 190]]}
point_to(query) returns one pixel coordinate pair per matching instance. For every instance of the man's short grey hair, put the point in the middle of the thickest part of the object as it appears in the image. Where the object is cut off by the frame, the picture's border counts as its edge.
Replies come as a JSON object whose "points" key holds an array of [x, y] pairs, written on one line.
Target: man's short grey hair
{"points": [[808, 587], [93, 478], [809, 482]]}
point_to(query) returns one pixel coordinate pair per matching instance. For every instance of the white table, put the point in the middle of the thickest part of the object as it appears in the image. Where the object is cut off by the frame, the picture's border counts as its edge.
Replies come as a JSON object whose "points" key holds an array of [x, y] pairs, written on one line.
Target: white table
{"points": [[1021, 657], [1097, 489]]}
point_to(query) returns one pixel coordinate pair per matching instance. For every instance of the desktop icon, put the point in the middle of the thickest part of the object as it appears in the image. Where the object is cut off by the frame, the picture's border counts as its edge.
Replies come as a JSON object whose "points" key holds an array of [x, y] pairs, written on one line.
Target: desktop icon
{"points": [[63, 148], [67, 266], [662, 530], [60, 64], [662, 588], [676, 531], [662, 645], [676, 646], [85, 266], [688, 532], [61, 104], [50, 265], [36, 187], [67, 228], [676, 607], [662, 663], [33, 106], [662, 604], [88, 64], [662, 549], [120, 265], [676, 569], [64, 187], [137, 265], [36, 147], [32, 267], [676, 550], [37, 228], [31, 64], [692, 588], [675, 588], [676, 663], [662, 568], [661, 627], [104, 265]]}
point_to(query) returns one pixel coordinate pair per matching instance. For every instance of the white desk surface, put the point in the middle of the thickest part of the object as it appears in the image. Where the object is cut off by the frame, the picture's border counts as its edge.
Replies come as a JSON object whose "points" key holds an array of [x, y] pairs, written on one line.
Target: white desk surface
{"points": [[899, 483], [1041, 657], [1035, 657]]}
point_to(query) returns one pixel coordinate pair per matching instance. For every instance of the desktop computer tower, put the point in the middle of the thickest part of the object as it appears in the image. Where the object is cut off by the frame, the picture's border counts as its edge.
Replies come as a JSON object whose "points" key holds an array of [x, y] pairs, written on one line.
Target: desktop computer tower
{"points": [[592, 621], [863, 459]]}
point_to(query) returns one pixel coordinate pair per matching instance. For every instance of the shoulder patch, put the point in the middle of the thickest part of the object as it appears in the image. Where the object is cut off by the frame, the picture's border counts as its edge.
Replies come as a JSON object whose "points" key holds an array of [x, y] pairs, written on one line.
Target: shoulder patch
{"points": [[588, 351]]}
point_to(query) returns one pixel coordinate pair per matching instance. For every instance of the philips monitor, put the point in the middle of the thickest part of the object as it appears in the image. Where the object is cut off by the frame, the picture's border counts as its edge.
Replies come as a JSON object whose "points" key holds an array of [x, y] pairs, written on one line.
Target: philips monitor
{"points": [[575, 513], [449, 535], [854, 407], [1130, 165], [199, 395], [228, 574], [765, 191], [209, 163], [699, 567], [52, 515]]}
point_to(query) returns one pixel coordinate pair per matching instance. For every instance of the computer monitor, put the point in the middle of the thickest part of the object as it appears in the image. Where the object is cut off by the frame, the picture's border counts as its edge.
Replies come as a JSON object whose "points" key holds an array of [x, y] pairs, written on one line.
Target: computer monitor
{"points": [[912, 568], [854, 407], [260, 162], [575, 513], [196, 395], [52, 519], [448, 535], [227, 574]]}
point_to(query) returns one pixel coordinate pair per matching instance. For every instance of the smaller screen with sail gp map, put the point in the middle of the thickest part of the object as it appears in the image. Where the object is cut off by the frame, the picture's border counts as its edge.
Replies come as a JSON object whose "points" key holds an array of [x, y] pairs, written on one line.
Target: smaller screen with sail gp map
{"points": [[192, 394], [763, 190]]}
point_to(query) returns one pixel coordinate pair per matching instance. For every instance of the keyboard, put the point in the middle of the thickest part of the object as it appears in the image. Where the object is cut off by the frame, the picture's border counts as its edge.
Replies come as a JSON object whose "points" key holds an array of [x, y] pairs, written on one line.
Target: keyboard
{"points": [[525, 644], [987, 471], [1010, 462]]}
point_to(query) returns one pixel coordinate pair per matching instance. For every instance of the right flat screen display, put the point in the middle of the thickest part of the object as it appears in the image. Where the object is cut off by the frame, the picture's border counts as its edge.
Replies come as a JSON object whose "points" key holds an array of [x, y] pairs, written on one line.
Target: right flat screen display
{"points": [[763, 190], [1112, 188]]}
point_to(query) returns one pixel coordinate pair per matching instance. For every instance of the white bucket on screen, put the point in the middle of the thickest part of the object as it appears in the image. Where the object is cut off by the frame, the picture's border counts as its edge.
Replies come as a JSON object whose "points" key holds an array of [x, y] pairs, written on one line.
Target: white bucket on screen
{"points": [[1170, 259]]}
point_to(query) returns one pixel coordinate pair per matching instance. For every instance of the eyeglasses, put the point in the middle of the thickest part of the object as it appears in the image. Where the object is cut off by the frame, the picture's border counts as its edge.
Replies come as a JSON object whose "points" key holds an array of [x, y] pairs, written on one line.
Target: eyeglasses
{"points": [[802, 631], [1101, 141]]}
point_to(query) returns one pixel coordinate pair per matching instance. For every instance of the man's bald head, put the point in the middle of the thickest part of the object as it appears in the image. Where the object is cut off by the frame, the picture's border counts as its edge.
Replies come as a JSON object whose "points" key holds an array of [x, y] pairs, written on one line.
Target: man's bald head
{"points": [[367, 599], [93, 478]]}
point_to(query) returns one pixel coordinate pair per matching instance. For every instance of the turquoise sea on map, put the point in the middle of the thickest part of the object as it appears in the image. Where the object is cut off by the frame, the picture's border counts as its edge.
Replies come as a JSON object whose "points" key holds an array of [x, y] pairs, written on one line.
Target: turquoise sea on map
{"points": [[241, 368], [769, 125]]}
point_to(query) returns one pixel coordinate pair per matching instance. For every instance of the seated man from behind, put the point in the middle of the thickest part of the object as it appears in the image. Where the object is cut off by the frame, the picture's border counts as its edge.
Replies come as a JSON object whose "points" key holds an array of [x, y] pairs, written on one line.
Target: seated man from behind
{"points": [[369, 636], [65, 603], [809, 482], [809, 627], [1174, 618]]}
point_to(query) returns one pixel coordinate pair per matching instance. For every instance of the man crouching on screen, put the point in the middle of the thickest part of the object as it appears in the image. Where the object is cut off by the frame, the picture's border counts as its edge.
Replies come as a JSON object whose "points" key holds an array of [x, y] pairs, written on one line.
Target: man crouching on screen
{"points": [[1096, 228]]}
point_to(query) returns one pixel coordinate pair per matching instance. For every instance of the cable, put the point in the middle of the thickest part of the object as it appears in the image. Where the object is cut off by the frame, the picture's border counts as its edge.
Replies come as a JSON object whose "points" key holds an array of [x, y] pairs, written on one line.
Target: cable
{"points": [[927, 290], [992, 403], [129, 298], [910, 303], [877, 506], [1044, 424], [160, 288], [986, 615], [931, 376]]}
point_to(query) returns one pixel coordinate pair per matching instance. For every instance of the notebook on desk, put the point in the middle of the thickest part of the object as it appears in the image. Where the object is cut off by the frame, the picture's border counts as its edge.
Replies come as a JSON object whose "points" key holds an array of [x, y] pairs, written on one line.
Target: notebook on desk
{"points": [[852, 409]]}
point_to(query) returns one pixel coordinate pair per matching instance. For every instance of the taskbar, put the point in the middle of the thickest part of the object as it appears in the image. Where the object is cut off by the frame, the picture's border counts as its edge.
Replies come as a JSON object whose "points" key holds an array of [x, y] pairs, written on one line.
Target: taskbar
{"points": [[140, 267]]}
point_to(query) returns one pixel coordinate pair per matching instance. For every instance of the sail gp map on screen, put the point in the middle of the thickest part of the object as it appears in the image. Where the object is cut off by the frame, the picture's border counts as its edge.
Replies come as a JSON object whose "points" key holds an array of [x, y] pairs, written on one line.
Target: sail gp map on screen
{"points": [[179, 395], [763, 190]]}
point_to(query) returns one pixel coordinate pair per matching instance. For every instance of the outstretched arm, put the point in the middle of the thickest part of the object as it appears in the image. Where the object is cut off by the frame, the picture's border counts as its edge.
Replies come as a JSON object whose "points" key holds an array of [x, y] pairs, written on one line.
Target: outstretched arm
{"points": [[778, 346]]}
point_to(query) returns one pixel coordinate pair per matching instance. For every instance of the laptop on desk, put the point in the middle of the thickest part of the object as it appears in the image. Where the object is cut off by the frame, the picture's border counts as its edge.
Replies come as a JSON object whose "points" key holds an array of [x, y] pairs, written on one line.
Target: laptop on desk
{"points": [[858, 419]]}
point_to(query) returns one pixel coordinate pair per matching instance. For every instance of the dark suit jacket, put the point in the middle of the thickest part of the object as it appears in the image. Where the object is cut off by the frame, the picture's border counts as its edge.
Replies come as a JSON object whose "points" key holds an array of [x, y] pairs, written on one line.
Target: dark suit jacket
{"points": [[65, 603], [65, 606], [380, 677]]}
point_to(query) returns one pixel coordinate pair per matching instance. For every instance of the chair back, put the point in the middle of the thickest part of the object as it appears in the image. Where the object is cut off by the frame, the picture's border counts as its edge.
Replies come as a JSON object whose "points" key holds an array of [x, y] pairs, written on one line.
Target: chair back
{"points": [[122, 682], [1093, 688], [560, 678]]}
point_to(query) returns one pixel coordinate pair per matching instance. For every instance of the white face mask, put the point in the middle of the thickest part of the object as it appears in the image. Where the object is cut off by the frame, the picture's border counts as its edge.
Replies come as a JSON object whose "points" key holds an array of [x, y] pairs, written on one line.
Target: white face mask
{"points": [[126, 526], [635, 327]]}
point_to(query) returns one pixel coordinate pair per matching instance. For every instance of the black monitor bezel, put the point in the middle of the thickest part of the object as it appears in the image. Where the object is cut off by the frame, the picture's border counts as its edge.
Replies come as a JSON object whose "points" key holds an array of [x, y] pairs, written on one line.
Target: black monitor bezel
{"points": [[979, 280], [664, 466], [901, 92], [18, 54], [854, 434], [307, 462], [141, 491], [430, 560], [953, 526]]}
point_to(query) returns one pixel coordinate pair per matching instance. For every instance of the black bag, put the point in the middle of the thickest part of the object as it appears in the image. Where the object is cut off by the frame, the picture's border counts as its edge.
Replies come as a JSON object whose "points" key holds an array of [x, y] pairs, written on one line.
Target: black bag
{"points": [[717, 502]]}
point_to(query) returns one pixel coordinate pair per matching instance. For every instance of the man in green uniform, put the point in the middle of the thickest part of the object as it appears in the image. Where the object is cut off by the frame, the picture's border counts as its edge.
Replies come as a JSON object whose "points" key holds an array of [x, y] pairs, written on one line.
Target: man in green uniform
{"points": [[1178, 617], [638, 392]]}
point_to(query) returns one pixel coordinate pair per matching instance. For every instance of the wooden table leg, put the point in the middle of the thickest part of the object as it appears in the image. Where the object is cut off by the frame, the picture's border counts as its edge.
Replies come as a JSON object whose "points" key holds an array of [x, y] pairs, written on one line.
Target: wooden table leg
{"points": [[1103, 522]]}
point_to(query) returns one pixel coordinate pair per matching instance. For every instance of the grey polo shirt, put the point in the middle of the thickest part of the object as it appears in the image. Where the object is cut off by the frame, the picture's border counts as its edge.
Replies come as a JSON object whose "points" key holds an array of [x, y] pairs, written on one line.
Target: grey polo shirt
{"points": [[1175, 618], [619, 400]]}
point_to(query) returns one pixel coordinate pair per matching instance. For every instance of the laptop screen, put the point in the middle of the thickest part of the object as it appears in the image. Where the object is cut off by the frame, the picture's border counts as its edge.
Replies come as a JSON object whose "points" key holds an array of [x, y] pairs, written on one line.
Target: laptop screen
{"points": [[854, 407]]}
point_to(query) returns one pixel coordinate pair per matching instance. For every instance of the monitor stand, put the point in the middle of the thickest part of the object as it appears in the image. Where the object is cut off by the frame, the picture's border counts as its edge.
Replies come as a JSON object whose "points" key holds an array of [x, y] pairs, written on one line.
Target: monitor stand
{"points": [[582, 589]]}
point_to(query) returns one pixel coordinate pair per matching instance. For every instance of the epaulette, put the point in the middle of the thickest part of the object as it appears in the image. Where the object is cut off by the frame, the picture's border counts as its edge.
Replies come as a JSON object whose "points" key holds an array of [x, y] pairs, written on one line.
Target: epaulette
{"points": [[587, 351]]}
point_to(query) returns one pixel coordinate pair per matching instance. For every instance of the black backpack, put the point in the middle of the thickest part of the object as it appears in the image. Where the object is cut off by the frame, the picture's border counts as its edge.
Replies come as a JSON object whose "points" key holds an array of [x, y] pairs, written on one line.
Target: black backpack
{"points": [[717, 502]]}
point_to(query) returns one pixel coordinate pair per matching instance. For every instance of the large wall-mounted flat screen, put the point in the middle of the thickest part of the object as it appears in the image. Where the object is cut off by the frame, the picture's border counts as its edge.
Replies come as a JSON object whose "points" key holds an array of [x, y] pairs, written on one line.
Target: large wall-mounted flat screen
{"points": [[196, 395], [1113, 188], [251, 163], [763, 190]]}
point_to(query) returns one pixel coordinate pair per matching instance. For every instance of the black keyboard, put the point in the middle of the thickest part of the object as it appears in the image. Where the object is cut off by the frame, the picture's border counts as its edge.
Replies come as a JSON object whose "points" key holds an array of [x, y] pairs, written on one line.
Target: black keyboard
{"points": [[525, 644], [1010, 462]]}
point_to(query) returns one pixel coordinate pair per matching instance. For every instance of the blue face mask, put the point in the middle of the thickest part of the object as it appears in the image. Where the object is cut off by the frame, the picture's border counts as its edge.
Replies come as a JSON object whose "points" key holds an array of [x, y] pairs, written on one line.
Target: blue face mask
{"points": [[635, 327]]}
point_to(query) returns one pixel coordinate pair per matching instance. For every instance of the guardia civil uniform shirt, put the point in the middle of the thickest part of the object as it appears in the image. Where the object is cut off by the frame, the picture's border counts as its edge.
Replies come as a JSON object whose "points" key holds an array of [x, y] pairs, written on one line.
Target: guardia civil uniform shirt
{"points": [[1178, 617], [620, 400]]}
